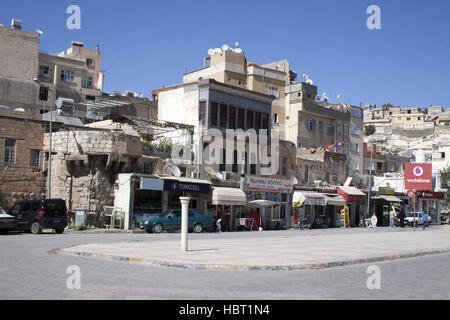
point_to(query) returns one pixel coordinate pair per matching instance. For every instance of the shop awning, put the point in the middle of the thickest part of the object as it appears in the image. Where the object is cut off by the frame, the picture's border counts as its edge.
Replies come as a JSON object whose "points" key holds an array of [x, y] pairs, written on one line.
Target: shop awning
{"points": [[352, 194], [309, 198], [261, 203], [388, 198], [335, 200], [228, 196]]}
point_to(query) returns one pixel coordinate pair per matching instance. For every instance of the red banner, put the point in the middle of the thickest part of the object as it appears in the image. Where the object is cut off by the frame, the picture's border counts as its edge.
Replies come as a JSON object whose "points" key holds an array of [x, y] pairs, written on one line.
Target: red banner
{"points": [[418, 176]]}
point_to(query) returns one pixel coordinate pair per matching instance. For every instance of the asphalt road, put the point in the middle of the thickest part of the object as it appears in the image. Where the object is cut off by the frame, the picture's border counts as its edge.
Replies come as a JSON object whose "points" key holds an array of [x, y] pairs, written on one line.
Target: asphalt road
{"points": [[29, 271]]}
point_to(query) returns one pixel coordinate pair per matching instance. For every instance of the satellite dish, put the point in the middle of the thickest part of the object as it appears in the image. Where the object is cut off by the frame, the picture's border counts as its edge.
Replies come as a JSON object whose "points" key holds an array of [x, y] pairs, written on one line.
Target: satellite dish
{"points": [[225, 47], [324, 94], [40, 32], [305, 76], [217, 50], [238, 50], [338, 96], [176, 172], [210, 171], [294, 180], [219, 175], [309, 81], [236, 44], [211, 52]]}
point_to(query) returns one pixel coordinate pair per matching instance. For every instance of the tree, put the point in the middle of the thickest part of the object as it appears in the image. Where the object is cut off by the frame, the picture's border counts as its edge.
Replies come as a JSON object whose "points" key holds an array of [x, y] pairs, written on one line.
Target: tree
{"points": [[369, 130], [445, 181], [387, 105]]}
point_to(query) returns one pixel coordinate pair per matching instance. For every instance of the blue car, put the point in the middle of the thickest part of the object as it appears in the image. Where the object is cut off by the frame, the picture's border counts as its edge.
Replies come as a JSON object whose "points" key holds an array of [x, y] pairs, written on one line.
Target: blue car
{"points": [[171, 220]]}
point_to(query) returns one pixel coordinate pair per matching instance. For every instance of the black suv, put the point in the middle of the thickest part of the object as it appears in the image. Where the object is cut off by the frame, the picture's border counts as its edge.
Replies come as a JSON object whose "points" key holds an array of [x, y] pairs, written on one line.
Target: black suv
{"points": [[35, 215]]}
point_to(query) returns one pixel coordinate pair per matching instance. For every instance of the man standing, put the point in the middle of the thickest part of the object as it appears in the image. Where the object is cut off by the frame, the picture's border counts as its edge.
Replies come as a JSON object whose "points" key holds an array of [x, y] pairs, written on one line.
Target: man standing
{"points": [[392, 217], [425, 220]]}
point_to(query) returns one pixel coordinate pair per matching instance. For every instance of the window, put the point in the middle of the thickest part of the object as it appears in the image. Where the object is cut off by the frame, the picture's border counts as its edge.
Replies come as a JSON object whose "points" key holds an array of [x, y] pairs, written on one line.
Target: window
{"points": [[234, 166], [379, 166], [222, 164], [339, 129], [265, 121], [257, 121], [310, 125], [442, 155], [44, 72], [275, 118], [408, 119], [87, 82], [43, 93], [241, 119], [10, 151], [320, 126], [419, 118], [330, 129], [354, 147], [147, 168], [91, 98], [213, 114], [250, 122], [223, 115], [355, 113], [35, 158], [67, 75], [232, 118], [274, 91], [90, 62], [354, 130]]}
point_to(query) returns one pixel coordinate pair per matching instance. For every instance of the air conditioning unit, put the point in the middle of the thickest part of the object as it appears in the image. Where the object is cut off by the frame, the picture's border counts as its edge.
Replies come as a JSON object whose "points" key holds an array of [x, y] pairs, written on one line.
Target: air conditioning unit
{"points": [[195, 175], [227, 175]]}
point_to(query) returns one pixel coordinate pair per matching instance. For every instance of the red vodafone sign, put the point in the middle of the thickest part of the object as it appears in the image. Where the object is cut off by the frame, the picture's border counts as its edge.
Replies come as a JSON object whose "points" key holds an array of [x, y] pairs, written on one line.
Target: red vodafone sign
{"points": [[418, 176]]}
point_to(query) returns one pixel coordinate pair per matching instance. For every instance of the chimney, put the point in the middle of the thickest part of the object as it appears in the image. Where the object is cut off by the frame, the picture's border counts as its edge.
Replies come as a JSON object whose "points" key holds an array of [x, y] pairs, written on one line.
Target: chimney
{"points": [[16, 24]]}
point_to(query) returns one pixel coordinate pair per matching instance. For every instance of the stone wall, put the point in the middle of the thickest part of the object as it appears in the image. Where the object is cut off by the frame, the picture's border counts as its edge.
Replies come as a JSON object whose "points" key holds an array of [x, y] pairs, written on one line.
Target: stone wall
{"points": [[20, 180]]}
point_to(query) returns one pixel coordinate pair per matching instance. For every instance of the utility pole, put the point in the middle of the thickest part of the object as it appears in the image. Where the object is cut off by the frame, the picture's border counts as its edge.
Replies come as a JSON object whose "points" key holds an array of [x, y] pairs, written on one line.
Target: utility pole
{"points": [[370, 182]]}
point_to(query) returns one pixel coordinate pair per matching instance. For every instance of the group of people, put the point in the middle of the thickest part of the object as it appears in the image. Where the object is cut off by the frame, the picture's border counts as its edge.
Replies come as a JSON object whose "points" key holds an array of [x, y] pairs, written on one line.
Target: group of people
{"points": [[394, 217]]}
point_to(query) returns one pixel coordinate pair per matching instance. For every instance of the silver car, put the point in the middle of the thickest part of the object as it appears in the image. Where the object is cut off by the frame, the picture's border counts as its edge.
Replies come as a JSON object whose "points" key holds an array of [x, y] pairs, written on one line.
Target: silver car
{"points": [[7, 222]]}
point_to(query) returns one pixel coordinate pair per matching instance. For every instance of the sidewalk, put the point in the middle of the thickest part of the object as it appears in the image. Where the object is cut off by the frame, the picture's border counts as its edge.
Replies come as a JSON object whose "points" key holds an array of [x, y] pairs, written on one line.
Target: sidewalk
{"points": [[282, 250]]}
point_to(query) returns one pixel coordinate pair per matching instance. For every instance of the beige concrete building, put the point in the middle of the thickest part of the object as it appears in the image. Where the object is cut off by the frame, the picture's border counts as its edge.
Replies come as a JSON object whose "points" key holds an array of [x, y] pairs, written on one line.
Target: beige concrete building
{"points": [[232, 68], [74, 73], [22, 163]]}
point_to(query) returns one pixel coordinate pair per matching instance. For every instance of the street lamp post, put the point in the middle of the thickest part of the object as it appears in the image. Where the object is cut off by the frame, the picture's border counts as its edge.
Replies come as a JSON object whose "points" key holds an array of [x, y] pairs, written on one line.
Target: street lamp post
{"points": [[49, 176], [370, 183]]}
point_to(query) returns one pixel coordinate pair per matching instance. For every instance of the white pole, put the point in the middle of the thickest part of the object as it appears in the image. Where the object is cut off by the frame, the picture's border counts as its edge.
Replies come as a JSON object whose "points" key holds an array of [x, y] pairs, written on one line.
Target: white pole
{"points": [[184, 222]]}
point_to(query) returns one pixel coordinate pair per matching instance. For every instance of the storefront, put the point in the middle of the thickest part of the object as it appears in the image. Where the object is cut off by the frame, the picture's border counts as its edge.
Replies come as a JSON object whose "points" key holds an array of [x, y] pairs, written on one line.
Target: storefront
{"points": [[230, 200], [139, 197], [309, 205], [430, 202], [335, 203], [383, 205], [356, 201], [279, 191]]}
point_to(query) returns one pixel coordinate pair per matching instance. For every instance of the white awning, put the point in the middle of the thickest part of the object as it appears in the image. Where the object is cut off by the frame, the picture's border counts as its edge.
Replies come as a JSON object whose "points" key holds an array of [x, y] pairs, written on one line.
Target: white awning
{"points": [[228, 196], [335, 200], [388, 198], [310, 198]]}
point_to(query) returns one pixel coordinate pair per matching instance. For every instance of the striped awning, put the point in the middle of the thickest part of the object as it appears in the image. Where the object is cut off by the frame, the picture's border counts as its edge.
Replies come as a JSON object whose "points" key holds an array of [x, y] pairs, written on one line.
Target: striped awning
{"points": [[309, 198]]}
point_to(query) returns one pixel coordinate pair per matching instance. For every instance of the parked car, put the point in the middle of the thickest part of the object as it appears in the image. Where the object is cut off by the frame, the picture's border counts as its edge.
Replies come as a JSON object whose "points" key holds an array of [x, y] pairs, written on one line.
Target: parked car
{"points": [[35, 215], [409, 219], [7, 222], [171, 220]]}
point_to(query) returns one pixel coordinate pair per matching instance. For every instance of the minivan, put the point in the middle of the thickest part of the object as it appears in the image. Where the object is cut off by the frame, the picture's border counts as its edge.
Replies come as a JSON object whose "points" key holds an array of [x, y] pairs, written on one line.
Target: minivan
{"points": [[35, 215]]}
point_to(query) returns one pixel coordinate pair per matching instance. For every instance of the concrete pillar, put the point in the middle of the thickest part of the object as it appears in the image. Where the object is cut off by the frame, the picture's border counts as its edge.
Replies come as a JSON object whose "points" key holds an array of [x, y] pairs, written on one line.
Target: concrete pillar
{"points": [[184, 222]]}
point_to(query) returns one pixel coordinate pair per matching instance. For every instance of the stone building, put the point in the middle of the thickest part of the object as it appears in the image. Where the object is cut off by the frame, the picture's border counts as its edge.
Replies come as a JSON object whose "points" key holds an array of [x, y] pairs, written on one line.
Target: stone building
{"points": [[22, 163], [74, 73]]}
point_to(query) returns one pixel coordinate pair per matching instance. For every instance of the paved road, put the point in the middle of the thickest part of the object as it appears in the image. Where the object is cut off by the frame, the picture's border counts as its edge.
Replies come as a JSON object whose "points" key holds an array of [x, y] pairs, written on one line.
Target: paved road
{"points": [[28, 271]]}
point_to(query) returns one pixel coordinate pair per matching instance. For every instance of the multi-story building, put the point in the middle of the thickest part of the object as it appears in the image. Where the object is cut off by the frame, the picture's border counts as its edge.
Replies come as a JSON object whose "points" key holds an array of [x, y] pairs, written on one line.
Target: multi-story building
{"points": [[374, 160], [32, 80], [233, 69]]}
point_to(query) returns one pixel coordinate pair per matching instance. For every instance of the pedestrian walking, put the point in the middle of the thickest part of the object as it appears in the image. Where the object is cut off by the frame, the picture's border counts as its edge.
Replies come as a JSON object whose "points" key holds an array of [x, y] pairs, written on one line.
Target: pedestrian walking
{"points": [[425, 220], [392, 217], [219, 224]]}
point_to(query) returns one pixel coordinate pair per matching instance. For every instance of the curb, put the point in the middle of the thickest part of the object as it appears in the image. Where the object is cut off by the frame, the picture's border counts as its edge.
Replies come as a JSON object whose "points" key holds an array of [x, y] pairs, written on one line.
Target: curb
{"points": [[316, 266]]}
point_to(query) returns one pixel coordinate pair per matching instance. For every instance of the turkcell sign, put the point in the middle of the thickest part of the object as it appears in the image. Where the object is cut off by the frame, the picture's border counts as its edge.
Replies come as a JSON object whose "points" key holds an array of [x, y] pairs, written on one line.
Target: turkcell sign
{"points": [[181, 186], [418, 176]]}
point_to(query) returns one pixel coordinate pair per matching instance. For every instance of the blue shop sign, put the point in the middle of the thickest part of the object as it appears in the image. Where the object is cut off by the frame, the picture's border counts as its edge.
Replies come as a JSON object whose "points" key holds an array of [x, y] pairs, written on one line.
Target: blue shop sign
{"points": [[181, 186]]}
